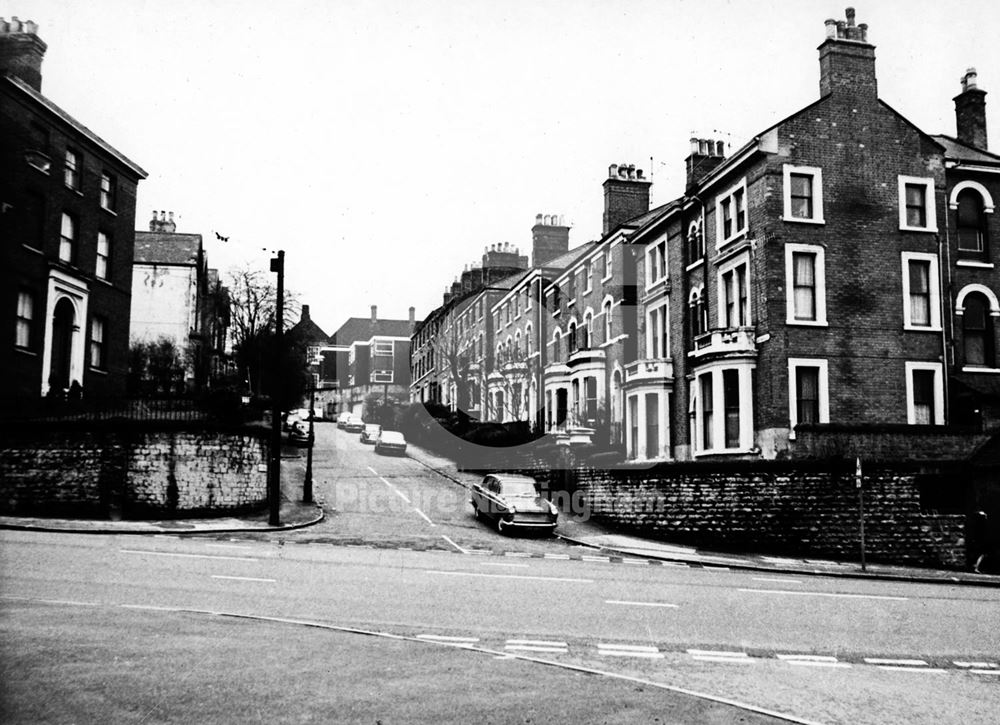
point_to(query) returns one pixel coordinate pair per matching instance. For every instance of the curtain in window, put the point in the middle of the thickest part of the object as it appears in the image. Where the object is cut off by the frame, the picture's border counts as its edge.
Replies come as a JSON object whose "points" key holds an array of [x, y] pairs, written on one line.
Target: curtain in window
{"points": [[804, 282], [971, 222], [977, 332], [920, 297], [807, 404]]}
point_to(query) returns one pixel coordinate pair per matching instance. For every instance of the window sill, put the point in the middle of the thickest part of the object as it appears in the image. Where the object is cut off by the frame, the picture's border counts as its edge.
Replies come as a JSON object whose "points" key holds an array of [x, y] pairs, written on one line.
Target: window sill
{"points": [[806, 323], [97, 371], [26, 351], [695, 265], [980, 370], [738, 237], [973, 263], [922, 328], [725, 452], [656, 283], [606, 279], [112, 212], [798, 220], [36, 250], [929, 230]]}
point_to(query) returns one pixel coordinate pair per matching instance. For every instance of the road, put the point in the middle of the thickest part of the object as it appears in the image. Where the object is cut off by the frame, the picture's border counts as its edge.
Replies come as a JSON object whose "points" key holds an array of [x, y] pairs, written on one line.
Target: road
{"points": [[402, 557]]}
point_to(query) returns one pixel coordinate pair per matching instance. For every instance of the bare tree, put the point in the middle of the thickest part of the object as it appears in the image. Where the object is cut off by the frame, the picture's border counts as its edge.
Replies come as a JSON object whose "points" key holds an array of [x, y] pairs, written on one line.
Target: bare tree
{"points": [[453, 356]]}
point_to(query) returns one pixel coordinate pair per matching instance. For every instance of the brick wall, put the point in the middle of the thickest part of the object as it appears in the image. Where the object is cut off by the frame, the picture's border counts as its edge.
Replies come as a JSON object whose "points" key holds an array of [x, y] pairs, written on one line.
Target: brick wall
{"points": [[131, 474], [913, 514]]}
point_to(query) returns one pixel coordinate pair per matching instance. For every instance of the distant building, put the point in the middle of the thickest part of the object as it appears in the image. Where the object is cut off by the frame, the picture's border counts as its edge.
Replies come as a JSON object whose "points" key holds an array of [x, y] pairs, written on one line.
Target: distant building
{"points": [[67, 220], [176, 297], [366, 356], [313, 339]]}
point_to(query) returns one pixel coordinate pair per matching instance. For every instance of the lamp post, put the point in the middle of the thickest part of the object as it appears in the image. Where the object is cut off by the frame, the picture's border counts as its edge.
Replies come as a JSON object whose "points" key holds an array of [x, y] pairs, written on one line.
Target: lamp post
{"points": [[307, 485], [274, 487]]}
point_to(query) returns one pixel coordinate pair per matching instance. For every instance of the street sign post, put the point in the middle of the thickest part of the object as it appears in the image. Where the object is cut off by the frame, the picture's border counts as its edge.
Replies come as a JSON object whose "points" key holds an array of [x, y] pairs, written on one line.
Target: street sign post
{"points": [[861, 508]]}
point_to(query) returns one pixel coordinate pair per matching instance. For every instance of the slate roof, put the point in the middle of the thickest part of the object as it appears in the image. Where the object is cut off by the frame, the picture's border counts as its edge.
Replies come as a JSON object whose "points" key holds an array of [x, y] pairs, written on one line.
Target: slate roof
{"points": [[167, 248], [362, 329], [309, 330], [955, 149]]}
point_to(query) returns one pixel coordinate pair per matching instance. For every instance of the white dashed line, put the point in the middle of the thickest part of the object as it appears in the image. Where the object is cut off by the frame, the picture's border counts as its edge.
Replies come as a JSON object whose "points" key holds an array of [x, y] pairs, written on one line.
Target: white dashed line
{"points": [[900, 668], [602, 559], [813, 661], [823, 594], [453, 641], [397, 491], [243, 578], [708, 655], [563, 557], [511, 576], [641, 604], [424, 516], [517, 554], [640, 562], [986, 672], [981, 665], [464, 551], [186, 556], [626, 650], [535, 645], [904, 663]]}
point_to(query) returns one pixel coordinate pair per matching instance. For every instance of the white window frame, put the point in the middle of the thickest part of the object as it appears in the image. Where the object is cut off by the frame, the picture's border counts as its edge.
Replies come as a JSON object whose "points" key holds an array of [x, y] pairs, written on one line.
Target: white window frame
{"points": [[67, 243], [664, 313], [819, 272], [607, 266], [738, 261], [938, 370], [25, 327], [656, 254], [794, 363], [638, 451], [935, 291], [103, 261], [817, 197], [377, 344], [382, 376], [98, 350], [929, 200], [745, 374], [722, 200], [607, 309]]}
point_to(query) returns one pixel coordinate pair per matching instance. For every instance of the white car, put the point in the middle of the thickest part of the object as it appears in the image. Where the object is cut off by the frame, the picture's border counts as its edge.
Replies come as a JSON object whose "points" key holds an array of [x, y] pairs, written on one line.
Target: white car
{"points": [[390, 441]]}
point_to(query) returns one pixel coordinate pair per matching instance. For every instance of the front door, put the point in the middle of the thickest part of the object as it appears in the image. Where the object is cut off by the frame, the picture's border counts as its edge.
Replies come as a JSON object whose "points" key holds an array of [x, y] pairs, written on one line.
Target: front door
{"points": [[62, 345]]}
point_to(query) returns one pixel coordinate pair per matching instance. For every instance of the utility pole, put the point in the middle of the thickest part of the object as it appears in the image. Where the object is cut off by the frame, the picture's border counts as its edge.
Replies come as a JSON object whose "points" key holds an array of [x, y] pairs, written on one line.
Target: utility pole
{"points": [[307, 485], [274, 487]]}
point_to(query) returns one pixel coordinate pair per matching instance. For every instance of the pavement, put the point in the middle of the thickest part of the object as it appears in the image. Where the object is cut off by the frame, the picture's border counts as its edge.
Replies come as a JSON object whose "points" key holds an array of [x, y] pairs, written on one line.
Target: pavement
{"points": [[573, 530]]}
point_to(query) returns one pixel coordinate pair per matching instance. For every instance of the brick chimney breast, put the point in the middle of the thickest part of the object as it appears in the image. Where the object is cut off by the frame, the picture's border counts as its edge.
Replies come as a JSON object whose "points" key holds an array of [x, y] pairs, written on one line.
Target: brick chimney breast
{"points": [[626, 195], [847, 60], [21, 51], [970, 112], [549, 238]]}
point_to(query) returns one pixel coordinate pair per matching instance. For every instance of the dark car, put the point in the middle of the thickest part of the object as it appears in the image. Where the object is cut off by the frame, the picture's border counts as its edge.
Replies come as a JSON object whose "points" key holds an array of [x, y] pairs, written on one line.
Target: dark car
{"points": [[390, 441], [370, 432], [298, 434], [513, 502]]}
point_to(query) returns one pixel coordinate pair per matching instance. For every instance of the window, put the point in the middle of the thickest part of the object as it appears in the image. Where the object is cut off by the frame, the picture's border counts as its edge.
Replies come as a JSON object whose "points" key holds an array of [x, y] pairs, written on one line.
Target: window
{"points": [[517, 306], [652, 425], [527, 297], [707, 412], [633, 430], [656, 263], [587, 331], [382, 376], [657, 333], [696, 242], [97, 350], [383, 348], [731, 401], [916, 204], [37, 155], [556, 344], [805, 281], [607, 264], [571, 339], [571, 288], [803, 187], [590, 398], [108, 191], [924, 394], [808, 394], [977, 331], [734, 301], [971, 221], [588, 274], [71, 170], [67, 239], [507, 314], [25, 319], [527, 341], [103, 252], [603, 262], [697, 312], [607, 321], [731, 214], [921, 303]]}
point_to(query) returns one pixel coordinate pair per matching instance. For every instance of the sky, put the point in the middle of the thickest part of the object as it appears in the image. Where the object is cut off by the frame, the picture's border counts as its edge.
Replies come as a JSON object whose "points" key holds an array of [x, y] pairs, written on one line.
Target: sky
{"points": [[382, 145]]}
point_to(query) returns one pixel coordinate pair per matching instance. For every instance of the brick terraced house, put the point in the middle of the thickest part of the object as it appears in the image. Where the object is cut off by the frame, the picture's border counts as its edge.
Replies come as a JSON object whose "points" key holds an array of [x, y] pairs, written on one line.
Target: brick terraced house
{"points": [[67, 220]]}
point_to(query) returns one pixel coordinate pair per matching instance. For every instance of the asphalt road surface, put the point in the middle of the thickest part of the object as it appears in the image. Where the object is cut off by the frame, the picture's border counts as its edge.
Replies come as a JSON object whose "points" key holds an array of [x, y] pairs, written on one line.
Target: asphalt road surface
{"points": [[402, 608]]}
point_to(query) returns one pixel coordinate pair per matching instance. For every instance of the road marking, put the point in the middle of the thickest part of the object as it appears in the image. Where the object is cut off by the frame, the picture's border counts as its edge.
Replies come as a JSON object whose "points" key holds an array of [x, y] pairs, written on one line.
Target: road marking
{"points": [[424, 516], [243, 578], [628, 650], [150, 608], [710, 655], [398, 492], [538, 642], [777, 581], [899, 668], [641, 562], [813, 661], [511, 576], [986, 672], [517, 554], [825, 594], [455, 641], [187, 556], [602, 559], [69, 602], [641, 604], [884, 661], [564, 557], [536, 645], [464, 551], [238, 547], [976, 664], [505, 564]]}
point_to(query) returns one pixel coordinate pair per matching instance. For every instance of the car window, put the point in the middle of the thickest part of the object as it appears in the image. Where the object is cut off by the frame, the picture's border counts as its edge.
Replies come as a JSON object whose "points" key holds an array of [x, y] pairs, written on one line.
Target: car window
{"points": [[519, 488]]}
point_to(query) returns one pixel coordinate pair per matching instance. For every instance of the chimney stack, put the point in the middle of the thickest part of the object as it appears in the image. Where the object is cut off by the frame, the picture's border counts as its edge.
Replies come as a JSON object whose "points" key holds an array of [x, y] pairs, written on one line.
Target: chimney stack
{"points": [[305, 313], [847, 59], [413, 316], [626, 195], [374, 314], [970, 112], [21, 51], [549, 238], [705, 155]]}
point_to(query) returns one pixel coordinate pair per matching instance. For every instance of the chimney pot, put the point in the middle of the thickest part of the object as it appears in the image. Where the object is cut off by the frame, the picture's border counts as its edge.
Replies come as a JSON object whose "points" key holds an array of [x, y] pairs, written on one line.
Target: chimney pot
{"points": [[613, 170], [374, 313], [863, 27], [538, 218], [831, 28], [850, 17], [413, 314]]}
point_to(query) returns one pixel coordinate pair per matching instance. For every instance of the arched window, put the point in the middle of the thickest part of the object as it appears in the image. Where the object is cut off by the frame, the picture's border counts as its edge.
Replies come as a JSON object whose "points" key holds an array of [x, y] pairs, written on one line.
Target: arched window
{"points": [[527, 341], [571, 337], [607, 321], [586, 331], [556, 344], [517, 345], [697, 312], [971, 221], [977, 331]]}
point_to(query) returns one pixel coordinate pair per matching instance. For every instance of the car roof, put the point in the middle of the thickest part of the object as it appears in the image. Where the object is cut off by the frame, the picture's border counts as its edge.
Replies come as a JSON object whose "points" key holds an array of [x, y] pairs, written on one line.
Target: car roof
{"points": [[512, 478], [392, 433]]}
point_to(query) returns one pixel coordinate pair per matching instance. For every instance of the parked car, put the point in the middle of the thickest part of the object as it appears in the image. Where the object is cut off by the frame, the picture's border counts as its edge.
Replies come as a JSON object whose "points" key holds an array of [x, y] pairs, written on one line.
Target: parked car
{"points": [[354, 424], [342, 419], [289, 419], [513, 502], [370, 432], [390, 441], [298, 434]]}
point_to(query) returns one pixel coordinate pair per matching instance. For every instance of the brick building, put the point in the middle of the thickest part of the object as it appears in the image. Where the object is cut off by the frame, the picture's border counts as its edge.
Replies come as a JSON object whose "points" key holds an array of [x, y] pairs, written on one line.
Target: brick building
{"points": [[68, 224]]}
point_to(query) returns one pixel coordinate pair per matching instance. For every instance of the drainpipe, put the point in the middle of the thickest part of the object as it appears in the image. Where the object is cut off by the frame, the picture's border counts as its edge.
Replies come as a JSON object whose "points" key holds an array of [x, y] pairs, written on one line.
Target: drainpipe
{"points": [[949, 329]]}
